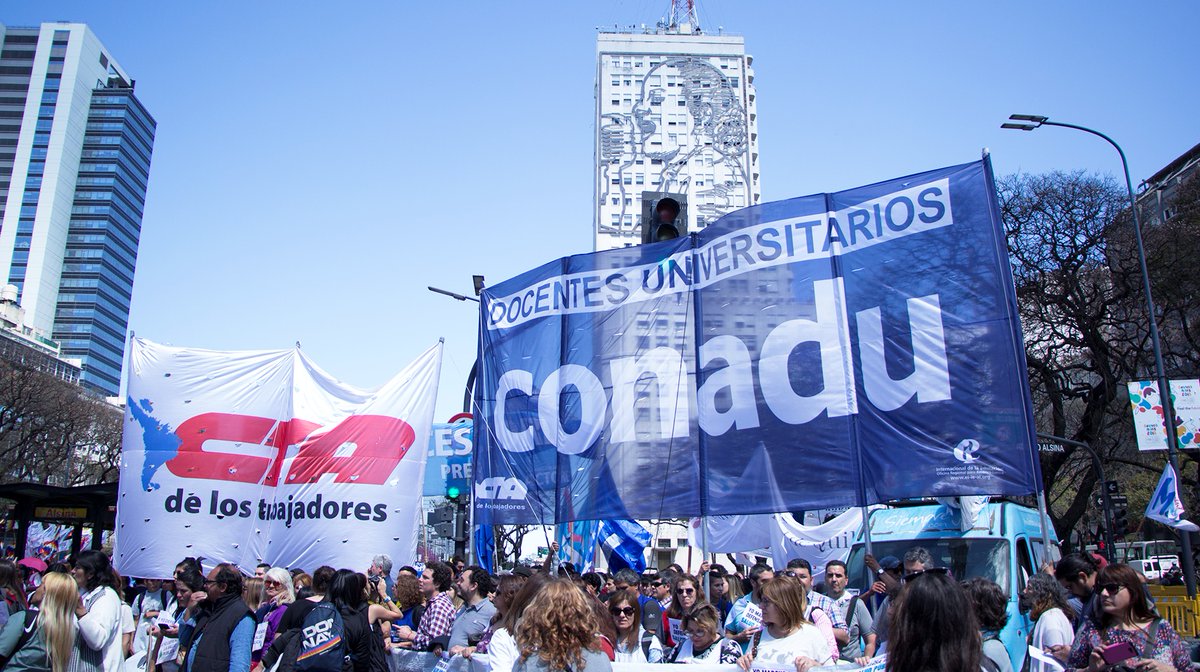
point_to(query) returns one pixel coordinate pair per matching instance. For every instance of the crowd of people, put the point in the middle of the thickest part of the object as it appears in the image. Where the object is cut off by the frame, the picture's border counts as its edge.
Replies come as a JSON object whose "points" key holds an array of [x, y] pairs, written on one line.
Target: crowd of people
{"points": [[84, 617]]}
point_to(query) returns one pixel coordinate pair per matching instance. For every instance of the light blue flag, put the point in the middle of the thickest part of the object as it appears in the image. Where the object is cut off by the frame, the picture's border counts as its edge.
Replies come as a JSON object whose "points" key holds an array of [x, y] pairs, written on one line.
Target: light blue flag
{"points": [[1165, 504], [624, 544], [577, 544]]}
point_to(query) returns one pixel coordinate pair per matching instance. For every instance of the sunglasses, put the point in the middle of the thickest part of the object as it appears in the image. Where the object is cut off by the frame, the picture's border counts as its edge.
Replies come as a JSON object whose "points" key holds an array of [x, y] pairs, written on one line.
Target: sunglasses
{"points": [[1111, 588], [795, 575], [932, 570], [656, 584], [622, 611], [272, 584], [687, 591]]}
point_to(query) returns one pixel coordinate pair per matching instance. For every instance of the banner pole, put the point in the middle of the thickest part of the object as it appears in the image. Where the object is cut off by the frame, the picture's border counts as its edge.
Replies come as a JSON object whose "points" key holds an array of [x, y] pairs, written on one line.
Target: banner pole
{"points": [[703, 554], [1043, 516]]}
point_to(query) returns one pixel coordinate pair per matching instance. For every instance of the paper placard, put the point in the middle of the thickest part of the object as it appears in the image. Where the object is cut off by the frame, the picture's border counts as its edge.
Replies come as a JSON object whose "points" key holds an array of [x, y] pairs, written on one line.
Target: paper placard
{"points": [[752, 615], [1044, 658], [260, 636], [678, 634]]}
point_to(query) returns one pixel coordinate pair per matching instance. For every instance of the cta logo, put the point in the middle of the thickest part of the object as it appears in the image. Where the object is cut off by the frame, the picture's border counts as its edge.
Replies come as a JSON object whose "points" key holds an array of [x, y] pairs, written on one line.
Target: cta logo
{"points": [[498, 487], [965, 451]]}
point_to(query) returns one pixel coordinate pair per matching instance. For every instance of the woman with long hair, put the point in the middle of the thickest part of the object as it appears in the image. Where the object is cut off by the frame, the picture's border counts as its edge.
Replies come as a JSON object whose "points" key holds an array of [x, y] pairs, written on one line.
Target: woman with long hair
{"points": [[253, 592], [634, 644], [990, 604], [502, 646], [1046, 602], [787, 639], [99, 613], [278, 593], [348, 594], [1126, 617], [933, 627], [507, 588], [705, 643], [51, 645], [685, 596], [11, 590], [557, 632]]}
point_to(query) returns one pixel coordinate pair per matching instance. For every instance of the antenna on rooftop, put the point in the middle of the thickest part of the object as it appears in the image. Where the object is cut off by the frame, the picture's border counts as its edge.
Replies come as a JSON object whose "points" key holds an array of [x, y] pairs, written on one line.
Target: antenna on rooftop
{"points": [[683, 16]]}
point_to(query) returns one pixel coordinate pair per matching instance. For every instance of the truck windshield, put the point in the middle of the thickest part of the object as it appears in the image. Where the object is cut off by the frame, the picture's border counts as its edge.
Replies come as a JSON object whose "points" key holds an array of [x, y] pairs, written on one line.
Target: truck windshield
{"points": [[966, 558]]}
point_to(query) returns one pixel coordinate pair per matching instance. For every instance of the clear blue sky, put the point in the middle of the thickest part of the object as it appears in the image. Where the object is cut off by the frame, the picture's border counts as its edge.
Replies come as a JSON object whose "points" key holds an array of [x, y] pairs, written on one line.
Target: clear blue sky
{"points": [[319, 163]]}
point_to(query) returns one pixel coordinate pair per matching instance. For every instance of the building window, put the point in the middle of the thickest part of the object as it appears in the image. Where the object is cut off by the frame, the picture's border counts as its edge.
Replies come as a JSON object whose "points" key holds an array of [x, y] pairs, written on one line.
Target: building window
{"points": [[103, 61]]}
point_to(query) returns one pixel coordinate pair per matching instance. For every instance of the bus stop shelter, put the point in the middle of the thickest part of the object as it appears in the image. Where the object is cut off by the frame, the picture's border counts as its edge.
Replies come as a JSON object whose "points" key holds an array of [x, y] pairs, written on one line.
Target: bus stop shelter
{"points": [[91, 506]]}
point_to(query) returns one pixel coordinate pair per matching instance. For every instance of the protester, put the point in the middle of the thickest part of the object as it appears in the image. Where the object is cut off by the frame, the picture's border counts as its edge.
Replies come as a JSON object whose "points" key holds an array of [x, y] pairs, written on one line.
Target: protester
{"points": [[223, 639], [11, 589], [788, 639], [634, 644], [348, 593], [293, 617], [990, 605], [916, 561], [718, 588], [933, 627], [1076, 572], [473, 586], [189, 563], [609, 587], [168, 641], [662, 587], [650, 616], [1124, 616], [1046, 602], [99, 613], [557, 632], [279, 593], [685, 596], [592, 583], [820, 610], [260, 570], [744, 623], [704, 642], [253, 593], [302, 584], [439, 609], [503, 651], [51, 646], [409, 600], [886, 575], [860, 626], [146, 607], [381, 570], [508, 587]]}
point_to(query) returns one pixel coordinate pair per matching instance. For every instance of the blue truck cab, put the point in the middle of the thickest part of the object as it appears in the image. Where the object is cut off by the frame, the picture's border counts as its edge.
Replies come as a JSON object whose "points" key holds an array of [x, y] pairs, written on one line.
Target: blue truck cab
{"points": [[1004, 544]]}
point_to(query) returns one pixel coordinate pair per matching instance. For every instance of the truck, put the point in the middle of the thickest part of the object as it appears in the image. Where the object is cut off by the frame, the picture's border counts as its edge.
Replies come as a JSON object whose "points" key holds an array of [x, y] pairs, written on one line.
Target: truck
{"points": [[1004, 544]]}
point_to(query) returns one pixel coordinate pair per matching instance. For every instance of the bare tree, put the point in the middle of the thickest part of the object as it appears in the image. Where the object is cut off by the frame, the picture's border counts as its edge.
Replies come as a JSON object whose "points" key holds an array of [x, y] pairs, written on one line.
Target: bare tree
{"points": [[53, 432]]}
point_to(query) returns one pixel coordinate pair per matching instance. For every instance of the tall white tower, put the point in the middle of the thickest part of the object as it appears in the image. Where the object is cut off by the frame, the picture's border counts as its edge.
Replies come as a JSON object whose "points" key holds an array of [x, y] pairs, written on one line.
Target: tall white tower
{"points": [[675, 114]]}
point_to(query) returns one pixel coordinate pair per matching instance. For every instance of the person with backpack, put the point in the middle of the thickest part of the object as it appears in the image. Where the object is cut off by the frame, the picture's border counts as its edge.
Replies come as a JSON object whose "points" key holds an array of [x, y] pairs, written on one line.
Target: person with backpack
{"points": [[224, 637], [146, 607], [49, 639], [860, 626], [363, 648], [634, 643]]}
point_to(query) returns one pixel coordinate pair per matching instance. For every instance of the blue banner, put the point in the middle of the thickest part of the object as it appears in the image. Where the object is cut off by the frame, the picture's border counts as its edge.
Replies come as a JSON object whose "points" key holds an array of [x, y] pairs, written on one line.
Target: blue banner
{"points": [[449, 462], [831, 350]]}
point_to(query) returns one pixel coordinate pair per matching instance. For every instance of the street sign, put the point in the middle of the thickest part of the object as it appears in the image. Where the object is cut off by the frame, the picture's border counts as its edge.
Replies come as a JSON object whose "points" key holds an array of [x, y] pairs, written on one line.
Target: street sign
{"points": [[1112, 487], [1045, 446], [1115, 500]]}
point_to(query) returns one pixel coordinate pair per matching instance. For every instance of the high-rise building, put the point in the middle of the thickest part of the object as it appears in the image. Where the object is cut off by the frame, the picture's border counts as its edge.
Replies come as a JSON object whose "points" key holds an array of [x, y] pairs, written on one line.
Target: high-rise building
{"points": [[675, 115], [75, 146]]}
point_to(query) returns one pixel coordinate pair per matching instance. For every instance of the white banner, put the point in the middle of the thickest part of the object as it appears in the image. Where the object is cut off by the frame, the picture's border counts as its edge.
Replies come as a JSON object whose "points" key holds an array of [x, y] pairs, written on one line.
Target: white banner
{"points": [[782, 535], [260, 456], [1148, 422]]}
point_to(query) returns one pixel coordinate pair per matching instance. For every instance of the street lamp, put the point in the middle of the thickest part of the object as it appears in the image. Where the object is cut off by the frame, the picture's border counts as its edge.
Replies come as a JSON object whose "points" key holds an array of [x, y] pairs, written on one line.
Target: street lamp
{"points": [[1034, 121]]}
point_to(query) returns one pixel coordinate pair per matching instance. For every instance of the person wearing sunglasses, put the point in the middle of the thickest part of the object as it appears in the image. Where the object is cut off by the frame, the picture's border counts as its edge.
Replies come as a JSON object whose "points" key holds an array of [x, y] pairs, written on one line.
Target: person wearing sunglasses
{"points": [[634, 644], [279, 593], [1126, 619], [685, 596], [916, 561]]}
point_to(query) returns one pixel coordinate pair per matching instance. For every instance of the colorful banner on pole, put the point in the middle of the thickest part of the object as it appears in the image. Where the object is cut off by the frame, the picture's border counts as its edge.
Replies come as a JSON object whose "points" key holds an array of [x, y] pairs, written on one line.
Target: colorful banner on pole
{"points": [[1148, 422], [260, 456], [831, 350]]}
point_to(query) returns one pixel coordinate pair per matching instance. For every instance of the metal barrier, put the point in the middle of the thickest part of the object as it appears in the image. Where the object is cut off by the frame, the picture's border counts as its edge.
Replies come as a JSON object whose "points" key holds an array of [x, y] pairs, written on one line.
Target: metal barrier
{"points": [[1182, 612]]}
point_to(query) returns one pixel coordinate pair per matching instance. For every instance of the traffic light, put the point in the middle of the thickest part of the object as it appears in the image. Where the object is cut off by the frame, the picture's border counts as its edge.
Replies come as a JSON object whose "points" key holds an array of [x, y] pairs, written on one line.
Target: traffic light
{"points": [[1120, 517], [442, 521], [453, 492], [664, 216]]}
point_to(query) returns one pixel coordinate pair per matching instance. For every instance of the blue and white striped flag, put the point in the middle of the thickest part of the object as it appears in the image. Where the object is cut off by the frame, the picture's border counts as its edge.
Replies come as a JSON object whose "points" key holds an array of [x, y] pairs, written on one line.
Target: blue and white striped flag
{"points": [[624, 544], [577, 544]]}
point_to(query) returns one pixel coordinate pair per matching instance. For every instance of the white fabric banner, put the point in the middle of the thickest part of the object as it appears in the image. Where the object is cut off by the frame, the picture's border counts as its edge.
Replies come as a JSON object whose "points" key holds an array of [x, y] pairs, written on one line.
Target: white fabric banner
{"points": [[260, 456], [1148, 422], [781, 537]]}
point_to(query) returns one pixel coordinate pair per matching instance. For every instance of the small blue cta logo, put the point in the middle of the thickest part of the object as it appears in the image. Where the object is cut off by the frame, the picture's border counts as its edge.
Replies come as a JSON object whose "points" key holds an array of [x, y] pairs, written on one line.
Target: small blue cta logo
{"points": [[965, 451]]}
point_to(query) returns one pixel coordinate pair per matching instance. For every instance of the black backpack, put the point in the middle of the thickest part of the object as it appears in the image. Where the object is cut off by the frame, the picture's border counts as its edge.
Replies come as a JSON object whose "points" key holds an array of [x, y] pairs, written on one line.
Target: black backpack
{"points": [[319, 644]]}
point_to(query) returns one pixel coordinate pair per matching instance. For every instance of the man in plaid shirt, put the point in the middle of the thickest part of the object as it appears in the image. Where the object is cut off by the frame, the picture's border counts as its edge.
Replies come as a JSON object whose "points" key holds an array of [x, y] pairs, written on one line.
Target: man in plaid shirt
{"points": [[800, 569], [435, 584]]}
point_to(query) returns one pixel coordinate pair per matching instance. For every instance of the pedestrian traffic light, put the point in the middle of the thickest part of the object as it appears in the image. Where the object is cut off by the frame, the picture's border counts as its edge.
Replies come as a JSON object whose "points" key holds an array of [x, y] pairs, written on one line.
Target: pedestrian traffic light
{"points": [[1120, 520]]}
